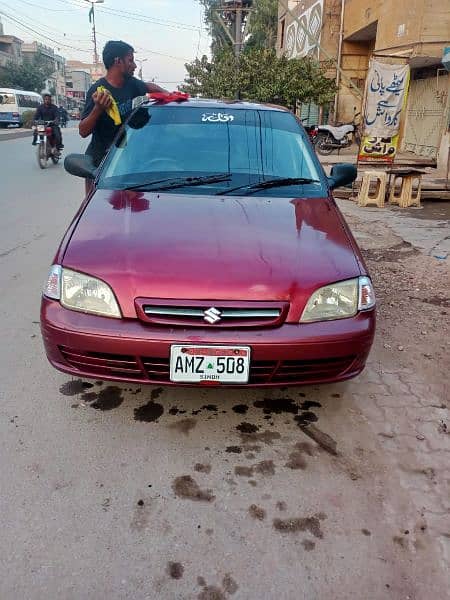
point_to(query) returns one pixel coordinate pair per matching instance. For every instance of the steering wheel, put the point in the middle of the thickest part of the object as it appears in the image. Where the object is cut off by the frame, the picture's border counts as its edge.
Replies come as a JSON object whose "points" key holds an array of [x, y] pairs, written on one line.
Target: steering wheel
{"points": [[164, 163]]}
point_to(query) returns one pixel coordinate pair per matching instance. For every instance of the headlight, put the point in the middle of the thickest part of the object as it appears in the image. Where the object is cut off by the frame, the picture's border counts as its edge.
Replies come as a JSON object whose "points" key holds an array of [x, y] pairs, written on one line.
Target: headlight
{"points": [[339, 300], [81, 292]]}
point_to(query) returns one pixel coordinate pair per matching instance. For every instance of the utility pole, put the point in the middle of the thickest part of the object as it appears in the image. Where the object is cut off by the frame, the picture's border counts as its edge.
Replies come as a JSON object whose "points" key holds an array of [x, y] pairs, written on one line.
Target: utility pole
{"points": [[92, 20], [233, 17], [238, 34]]}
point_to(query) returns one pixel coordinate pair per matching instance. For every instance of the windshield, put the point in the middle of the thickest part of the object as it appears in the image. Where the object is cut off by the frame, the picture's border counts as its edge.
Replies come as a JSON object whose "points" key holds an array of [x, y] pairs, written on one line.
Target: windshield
{"points": [[248, 146]]}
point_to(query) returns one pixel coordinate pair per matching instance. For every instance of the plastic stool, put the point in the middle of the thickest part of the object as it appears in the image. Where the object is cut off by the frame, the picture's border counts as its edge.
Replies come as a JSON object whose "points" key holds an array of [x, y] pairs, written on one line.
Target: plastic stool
{"points": [[406, 196], [364, 196]]}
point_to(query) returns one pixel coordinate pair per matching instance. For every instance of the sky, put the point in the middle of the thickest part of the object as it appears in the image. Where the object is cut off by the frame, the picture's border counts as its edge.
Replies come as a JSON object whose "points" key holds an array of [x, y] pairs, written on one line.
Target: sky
{"points": [[165, 33]]}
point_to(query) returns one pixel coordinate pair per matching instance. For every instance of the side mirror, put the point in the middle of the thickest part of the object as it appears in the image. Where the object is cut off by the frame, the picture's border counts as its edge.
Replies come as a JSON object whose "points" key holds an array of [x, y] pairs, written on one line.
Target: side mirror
{"points": [[342, 174], [80, 165]]}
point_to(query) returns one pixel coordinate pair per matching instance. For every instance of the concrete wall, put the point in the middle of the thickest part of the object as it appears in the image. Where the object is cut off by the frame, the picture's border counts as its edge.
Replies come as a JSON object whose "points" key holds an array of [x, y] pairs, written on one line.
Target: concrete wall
{"points": [[354, 64], [361, 13], [400, 22]]}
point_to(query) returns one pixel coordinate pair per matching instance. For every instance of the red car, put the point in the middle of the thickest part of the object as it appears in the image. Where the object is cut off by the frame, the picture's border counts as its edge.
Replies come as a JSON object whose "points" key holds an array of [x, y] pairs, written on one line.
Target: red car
{"points": [[210, 251]]}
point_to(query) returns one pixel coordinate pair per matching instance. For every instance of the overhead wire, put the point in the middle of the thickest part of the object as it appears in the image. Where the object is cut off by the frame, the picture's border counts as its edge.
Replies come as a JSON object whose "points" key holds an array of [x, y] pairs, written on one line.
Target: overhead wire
{"points": [[50, 9], [108, 37], [26, 27], [44, 27], [134, 16], [41, 30]]}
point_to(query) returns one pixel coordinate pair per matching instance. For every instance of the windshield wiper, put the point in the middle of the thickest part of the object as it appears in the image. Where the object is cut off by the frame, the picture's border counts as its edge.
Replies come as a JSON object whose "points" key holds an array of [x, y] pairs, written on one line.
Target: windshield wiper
{"points": [[269, 183], [174, 182]]}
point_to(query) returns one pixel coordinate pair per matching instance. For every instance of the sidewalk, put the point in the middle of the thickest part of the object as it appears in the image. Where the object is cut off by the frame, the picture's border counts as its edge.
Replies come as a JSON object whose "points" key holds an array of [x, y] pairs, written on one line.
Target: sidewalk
{"points": [[12, 133], [433, 181]]}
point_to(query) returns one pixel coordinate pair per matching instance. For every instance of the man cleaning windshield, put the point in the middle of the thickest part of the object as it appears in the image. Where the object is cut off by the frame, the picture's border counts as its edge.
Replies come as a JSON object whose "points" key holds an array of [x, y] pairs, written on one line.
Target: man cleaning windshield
{"points": [[109, 100]]}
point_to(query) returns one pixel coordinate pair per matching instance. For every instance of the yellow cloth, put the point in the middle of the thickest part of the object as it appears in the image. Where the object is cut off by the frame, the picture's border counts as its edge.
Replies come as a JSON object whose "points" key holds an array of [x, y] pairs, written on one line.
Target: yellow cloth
{"points": [[113, 110]]}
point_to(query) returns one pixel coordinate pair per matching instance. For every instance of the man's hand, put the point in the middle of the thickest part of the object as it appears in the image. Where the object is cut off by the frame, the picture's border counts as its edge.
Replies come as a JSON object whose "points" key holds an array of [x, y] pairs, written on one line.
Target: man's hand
{"points": [[102, 100]]}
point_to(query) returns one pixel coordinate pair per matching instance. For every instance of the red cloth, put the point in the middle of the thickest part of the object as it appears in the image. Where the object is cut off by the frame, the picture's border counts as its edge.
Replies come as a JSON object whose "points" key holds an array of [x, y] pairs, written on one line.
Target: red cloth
{"points": [[166, 97]]}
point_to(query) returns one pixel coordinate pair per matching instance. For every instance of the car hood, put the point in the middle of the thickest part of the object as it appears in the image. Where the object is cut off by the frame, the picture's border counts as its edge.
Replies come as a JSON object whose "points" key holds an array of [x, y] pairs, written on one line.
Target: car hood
{"points": [[176, 246]]}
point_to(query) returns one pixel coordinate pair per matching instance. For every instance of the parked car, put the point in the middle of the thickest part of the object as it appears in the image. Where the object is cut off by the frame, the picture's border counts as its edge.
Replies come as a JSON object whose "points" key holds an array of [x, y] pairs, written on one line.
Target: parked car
{"points": [[209, 251], [74, 113]]}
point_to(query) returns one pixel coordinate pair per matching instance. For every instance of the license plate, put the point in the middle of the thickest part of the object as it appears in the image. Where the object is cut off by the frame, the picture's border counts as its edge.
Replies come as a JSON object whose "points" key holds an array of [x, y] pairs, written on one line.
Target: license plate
{"points": [[223, 364]]}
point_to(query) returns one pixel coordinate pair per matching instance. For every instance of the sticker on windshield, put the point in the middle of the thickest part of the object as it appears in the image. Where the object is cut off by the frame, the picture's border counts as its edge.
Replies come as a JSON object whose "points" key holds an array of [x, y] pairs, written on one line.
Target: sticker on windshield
{"points": [[217, 118]]}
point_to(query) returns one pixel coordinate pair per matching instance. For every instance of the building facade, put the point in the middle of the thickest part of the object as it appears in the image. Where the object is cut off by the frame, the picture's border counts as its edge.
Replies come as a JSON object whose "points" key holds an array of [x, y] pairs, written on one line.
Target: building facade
{"points": [[78, 82], [310, 28], [10, 49], [406, 31], [351, 32], [56, 82]]}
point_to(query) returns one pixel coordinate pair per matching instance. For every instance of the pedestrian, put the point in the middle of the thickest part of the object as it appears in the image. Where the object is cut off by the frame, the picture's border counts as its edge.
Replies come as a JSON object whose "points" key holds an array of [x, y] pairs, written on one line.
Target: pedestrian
{"points": [[47, 111], [109, 100]]}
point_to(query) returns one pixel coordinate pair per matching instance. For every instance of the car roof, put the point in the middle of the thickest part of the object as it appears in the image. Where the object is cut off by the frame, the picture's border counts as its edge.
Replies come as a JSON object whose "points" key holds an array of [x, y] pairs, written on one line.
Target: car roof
{"points": [[223, 104]]}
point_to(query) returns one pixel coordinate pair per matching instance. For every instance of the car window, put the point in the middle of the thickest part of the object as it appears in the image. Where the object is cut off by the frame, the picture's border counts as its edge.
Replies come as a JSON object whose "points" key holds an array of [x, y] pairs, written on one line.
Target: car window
{"points": [[250, 145]]}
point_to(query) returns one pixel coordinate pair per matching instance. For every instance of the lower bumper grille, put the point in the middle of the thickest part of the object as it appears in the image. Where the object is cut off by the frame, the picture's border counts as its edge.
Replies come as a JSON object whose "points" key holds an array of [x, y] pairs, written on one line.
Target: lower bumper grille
{"points": [[157, 370], [269, 371], [112, 365]]}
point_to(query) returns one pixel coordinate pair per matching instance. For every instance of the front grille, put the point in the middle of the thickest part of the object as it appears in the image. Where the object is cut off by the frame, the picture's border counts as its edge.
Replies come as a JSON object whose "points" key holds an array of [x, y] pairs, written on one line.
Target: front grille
{"points": [[96, 363], [217, 314]]}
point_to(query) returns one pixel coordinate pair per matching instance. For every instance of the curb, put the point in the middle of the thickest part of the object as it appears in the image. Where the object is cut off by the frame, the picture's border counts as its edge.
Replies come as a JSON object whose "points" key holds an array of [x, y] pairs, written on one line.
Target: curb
{"points": [[15, 134]]}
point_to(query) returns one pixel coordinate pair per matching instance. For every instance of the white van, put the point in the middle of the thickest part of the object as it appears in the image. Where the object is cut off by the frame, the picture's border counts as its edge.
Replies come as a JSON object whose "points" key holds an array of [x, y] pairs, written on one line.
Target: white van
{"points": [[13, 103]]}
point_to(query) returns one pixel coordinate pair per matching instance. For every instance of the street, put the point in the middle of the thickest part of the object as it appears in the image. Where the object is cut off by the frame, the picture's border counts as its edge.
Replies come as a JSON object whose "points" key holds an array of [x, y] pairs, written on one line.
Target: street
{"points": [[126, 491]]}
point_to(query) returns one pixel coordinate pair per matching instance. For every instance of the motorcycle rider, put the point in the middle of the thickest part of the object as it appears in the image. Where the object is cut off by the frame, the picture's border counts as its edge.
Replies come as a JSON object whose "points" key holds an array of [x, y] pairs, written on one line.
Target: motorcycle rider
{"points": [[63, 116], [49, 112]]}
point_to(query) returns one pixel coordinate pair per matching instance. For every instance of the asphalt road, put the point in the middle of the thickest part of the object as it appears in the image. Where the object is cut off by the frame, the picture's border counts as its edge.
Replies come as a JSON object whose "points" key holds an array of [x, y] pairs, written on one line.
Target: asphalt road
{"points": [[135, 492]]}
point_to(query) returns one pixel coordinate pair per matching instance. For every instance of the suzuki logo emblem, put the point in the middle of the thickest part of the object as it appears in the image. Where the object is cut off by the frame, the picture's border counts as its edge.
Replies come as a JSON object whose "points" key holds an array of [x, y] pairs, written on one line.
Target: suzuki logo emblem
{"points": [[212, 315]]}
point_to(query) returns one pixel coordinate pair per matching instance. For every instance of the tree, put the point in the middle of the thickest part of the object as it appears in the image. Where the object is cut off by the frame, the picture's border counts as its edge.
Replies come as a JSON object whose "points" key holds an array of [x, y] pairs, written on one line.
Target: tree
{"points": [[219, 39], [263, 24], [261, 76], [29, 75]]}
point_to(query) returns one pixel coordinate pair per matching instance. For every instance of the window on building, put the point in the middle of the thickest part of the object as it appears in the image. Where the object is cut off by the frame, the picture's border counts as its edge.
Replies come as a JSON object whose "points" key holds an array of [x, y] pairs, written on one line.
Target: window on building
{"points": [[283, 27]]}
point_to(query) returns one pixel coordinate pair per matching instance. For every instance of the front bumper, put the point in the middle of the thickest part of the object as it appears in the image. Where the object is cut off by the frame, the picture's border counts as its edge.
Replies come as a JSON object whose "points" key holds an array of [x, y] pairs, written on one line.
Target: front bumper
{"points": [[129, 350]]}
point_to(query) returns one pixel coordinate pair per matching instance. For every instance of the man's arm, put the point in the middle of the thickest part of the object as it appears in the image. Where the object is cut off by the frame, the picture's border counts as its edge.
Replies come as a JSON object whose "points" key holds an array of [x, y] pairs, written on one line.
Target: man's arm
{"points": [[152, 87], [38, 114], [101, 101]]}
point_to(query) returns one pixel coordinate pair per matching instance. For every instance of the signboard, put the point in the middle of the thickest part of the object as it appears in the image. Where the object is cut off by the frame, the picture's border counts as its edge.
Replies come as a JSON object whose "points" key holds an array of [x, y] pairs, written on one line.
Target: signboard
{"points": [[385, 99]]}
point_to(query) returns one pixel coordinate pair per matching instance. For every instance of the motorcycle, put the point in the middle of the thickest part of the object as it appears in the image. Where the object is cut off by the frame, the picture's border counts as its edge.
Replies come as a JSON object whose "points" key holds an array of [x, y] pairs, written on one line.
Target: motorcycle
{"points": [[311, 130], [331, 138], [46, 144]]}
